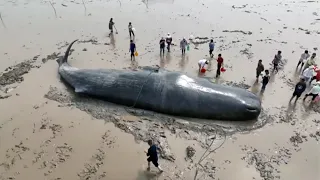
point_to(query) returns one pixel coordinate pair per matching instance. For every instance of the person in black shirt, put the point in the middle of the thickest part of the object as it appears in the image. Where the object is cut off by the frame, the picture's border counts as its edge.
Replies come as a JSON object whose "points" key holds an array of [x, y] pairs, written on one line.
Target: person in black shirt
{"points": [[153, 156], [111, 24], [299, 89], [265, 80], [162, 45]]}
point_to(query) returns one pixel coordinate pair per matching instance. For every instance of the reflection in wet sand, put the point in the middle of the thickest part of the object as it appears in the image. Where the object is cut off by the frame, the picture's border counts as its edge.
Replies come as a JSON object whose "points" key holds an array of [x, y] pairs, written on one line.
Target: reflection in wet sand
{"points": [[112, 41]]}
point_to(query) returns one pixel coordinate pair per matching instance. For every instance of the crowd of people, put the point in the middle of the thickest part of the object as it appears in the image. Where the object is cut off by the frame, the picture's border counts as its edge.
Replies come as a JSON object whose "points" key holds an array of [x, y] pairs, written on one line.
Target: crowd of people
{"points": [[307, 63]]}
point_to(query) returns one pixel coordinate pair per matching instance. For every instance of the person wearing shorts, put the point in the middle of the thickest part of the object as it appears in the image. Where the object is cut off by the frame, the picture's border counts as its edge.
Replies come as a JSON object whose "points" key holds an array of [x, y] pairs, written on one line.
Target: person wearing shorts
{"points": [[153, 156], [299, 89], [276, 61], [314, 92]]}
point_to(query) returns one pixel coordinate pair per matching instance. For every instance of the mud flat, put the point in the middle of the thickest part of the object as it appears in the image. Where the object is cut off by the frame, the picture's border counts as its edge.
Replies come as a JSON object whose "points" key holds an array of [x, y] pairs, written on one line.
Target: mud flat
{"points": [[48, 132]]}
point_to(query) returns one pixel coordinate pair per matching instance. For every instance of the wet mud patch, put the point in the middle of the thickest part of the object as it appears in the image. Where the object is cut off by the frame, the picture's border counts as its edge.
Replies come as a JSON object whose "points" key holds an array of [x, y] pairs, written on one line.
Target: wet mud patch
{"points": [[247, 52], [149, 125], [267, 164], [241, 84], [14, 73], [239, 31]]}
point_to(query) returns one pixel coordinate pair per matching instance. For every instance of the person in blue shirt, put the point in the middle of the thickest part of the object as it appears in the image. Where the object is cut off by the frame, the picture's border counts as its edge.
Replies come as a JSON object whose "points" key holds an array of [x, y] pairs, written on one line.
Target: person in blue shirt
{"points": [[152, 156], [132, 49], [211, 48]]}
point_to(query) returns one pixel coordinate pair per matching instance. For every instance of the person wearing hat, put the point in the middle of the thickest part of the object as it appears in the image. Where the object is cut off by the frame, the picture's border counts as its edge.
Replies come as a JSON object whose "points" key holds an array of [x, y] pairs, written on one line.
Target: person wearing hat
{"points": [[304, 57], [308, 73], [183, 45], [169, 41], [311, 61], [314, 92], [299, 89]]}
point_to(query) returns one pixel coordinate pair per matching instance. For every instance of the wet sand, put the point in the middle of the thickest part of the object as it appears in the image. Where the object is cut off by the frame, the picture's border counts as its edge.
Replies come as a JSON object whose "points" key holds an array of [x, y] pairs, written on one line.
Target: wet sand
{"points": [[47, 132]]}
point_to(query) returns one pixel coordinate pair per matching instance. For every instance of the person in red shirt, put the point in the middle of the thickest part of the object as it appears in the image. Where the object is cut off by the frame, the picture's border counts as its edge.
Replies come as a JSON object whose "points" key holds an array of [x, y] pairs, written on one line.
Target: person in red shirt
{"points": [[220, 62], [317, 76]]}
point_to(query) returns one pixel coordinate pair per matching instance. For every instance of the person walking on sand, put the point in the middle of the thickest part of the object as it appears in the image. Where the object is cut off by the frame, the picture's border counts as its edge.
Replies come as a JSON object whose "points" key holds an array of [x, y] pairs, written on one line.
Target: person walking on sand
{"points": [[152, 156], [211, 48], [111, 24], [132, 49], [202, 63], [299, 89], [259, 69], [219, 65], [314, 92], [308, 73], [183, 45], [304, 57], [265, 80], [169, 41], [276, 61], [311, 61], [162, 46], [130, 30]]}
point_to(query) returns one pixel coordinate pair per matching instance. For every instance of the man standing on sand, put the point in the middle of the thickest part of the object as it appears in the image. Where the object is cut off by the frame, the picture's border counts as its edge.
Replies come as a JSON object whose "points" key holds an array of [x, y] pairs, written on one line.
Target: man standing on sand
{"points": [[304, 57], [260, 69], [299, 89], [211, 48], [132, 49], [162, 46], [169, 41], [152, 156], [276, 61], [219, 65], [130, 30], [111, 24], [183, 45]]}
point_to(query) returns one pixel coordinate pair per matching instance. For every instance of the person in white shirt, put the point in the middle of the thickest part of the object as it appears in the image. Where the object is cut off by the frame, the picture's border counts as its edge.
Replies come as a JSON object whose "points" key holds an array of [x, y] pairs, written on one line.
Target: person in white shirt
{"points": [[311, 61], [314, 92], [308, 73], [304, 57], [202, 63]]}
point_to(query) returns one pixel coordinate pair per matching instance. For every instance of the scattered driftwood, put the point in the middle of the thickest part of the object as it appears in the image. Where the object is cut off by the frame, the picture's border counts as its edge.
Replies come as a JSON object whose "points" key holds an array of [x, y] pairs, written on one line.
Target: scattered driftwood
{"points": [[55, 12], [2, 21]]}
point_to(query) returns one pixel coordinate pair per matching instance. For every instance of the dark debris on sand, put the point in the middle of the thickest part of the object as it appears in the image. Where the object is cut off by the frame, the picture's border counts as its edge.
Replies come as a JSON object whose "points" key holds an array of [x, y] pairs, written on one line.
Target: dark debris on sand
{"points": [[14, 73]]}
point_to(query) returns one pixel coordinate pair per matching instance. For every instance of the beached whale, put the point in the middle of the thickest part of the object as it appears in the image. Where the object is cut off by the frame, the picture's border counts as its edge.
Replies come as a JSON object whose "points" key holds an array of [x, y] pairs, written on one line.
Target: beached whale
{"points": [[163, 91]]}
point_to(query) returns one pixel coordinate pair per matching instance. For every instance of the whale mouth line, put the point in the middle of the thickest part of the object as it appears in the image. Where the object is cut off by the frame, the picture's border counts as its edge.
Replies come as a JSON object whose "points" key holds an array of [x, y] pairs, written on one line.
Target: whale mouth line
{"points": [[250, 109]]}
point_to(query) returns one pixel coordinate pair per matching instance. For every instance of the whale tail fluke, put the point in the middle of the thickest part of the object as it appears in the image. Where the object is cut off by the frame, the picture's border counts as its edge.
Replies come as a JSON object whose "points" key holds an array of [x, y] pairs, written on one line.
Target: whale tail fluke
{"points": [[65, 58]]}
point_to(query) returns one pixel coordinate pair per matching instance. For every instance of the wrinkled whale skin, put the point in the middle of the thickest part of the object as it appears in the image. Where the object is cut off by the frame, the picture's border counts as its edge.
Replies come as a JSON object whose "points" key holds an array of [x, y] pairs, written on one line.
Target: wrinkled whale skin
{"points": [[163, 91]]}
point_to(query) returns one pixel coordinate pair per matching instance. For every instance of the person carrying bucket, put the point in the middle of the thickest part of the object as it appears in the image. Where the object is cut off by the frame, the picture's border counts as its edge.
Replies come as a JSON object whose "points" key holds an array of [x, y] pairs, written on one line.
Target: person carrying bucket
{"points": [[201, 64], [219, 65]]}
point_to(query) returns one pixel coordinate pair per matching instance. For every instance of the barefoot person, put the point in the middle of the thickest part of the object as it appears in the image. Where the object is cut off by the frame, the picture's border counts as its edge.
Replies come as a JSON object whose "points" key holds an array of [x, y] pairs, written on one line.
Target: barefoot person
{"points": [[311, 61], [260, 69], [183, 45], [162, 46], [169, 41], [304, 57], [130, 30], [265, 80], [299, 89], [314, 92], [132, 49], [211, 48], [308, 73], [276, 61], [219, 65], [202, 63], [153, 156], [111, 24]]}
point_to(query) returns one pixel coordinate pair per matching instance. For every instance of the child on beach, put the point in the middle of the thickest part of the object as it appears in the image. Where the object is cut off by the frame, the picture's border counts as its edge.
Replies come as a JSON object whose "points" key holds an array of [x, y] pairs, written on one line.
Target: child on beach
{"points": [[265, 80], [153, 156]]}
